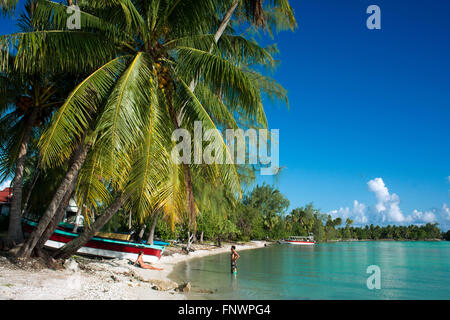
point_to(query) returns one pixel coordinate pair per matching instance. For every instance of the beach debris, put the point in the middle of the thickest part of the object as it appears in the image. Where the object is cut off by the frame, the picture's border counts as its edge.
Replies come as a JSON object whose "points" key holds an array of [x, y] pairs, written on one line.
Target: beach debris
{"points": [[12, 249], [162, 285], [71, 265], [187, 250], [206, 291], [9, 285], [185, 287], [114, 278]]}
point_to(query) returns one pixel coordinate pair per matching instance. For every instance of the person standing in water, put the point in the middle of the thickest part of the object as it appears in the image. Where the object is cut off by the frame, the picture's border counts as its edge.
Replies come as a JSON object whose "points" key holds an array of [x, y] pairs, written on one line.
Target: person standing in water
{"points": [[234, 257]]}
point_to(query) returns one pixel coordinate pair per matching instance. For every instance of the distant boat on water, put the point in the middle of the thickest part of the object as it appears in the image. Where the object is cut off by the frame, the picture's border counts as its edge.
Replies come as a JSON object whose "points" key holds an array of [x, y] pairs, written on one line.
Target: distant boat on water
{"points": [[300, 241], [100, 246]]}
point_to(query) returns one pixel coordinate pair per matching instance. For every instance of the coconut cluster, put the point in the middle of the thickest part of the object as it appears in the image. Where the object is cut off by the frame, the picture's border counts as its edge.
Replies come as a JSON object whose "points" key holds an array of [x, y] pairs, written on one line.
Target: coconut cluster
{"points": [[24, 103], [164, 79]]}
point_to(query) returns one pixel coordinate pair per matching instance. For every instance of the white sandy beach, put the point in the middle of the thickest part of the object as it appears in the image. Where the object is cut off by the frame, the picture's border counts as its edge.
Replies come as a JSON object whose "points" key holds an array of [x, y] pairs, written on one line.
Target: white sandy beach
{"points": [[92, 279]]}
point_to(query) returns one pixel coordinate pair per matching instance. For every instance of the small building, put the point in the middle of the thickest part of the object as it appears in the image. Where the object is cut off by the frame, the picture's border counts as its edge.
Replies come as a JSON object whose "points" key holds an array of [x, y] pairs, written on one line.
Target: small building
{"points": [[70, 215], [5, 201], [73, 215]]}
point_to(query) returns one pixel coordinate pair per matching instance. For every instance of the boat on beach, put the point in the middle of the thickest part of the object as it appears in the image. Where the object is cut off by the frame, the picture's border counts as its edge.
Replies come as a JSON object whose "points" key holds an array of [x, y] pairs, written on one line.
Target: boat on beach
{"points": [[300, 241], [107, 235], [100, 247]]}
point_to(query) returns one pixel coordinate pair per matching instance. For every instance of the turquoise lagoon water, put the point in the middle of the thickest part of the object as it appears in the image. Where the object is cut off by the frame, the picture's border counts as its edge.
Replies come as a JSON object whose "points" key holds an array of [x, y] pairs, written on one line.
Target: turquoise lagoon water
{"points": [[409, 270]]}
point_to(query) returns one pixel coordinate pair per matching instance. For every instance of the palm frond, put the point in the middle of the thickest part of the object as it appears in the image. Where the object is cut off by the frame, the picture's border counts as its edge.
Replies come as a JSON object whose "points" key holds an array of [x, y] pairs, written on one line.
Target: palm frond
{"points": [[92, 190], [150, 162], [197, 112], [73, 118], [55, 14], [125, 8], [55, 50], [8, 7], [221, 75], [121, 123]]}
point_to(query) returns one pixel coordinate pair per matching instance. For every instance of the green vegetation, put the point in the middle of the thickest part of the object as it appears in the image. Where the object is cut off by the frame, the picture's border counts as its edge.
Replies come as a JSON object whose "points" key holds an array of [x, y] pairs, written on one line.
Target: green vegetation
{"points": [[446, 235], [88, 112], [262, 215]]}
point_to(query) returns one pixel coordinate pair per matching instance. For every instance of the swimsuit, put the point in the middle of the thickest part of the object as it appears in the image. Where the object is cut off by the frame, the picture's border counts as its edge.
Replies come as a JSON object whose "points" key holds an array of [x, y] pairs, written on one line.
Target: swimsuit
{"points": [[233, 266]]}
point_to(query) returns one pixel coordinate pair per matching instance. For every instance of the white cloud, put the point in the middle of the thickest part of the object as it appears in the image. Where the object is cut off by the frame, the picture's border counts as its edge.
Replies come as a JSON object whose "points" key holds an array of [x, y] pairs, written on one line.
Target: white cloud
{"points": [[419, 216], [446, 211], [359, 210], [387, 210], [429, 217], [357, 213], [388, 205], [344, 213]]}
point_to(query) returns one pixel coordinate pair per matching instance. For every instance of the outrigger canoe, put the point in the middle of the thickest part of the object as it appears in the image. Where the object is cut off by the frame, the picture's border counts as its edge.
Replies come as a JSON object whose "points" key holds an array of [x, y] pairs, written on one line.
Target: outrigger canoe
{"points": [[101, 247], [107, 235]]}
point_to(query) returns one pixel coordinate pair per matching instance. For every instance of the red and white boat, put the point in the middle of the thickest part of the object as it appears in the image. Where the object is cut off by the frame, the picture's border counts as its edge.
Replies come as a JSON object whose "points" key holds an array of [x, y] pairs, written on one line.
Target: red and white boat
{"points": [[102, 247], [300, 241]]}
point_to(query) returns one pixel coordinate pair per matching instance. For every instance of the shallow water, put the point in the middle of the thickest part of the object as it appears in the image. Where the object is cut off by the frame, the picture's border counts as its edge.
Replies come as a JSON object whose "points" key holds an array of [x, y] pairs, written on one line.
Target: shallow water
{"points": [[408, 270]]}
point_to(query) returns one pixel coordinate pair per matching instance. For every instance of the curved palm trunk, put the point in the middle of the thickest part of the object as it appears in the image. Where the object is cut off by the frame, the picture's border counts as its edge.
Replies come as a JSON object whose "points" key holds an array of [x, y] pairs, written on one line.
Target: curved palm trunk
{"points": [[30, 192], [152, 229], [190, 197], [57, 218], [72, 247], [79, 158], [225, 21], [15, 234], [223, 25]]}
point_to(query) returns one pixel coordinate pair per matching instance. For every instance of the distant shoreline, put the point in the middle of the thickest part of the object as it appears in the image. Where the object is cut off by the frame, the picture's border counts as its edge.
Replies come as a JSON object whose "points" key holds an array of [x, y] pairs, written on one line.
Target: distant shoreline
{"points": [[405, 240]]}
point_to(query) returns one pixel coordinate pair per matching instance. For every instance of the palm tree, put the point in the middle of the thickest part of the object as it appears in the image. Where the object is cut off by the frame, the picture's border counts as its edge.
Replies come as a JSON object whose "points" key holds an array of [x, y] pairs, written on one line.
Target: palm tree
{"points": [[27, 102], [173, 87], [29, 105], [348, 222], [131, 42], [251, 10], [278, 14]]}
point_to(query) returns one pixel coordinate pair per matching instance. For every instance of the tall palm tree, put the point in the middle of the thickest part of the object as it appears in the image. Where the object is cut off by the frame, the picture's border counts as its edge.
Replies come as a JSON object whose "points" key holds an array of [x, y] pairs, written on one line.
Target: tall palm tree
{"points": [[29, 99], [144, 53], [35, 99], [250, 10]]}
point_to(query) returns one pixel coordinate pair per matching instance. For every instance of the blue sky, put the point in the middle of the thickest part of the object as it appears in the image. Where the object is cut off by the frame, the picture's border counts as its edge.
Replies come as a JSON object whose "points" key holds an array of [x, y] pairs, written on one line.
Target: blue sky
{"points": [[369, 110], [366, 104]]}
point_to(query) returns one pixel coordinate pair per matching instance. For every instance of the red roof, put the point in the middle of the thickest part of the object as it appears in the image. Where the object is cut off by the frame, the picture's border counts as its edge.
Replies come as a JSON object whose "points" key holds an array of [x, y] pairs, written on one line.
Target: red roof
{"points": [[5, 195]]}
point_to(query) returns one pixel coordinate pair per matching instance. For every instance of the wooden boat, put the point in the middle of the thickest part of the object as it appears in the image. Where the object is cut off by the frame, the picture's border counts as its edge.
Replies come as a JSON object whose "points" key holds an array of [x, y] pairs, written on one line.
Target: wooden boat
{"points": [[300, 241], [107, 235], [101, 247]]}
